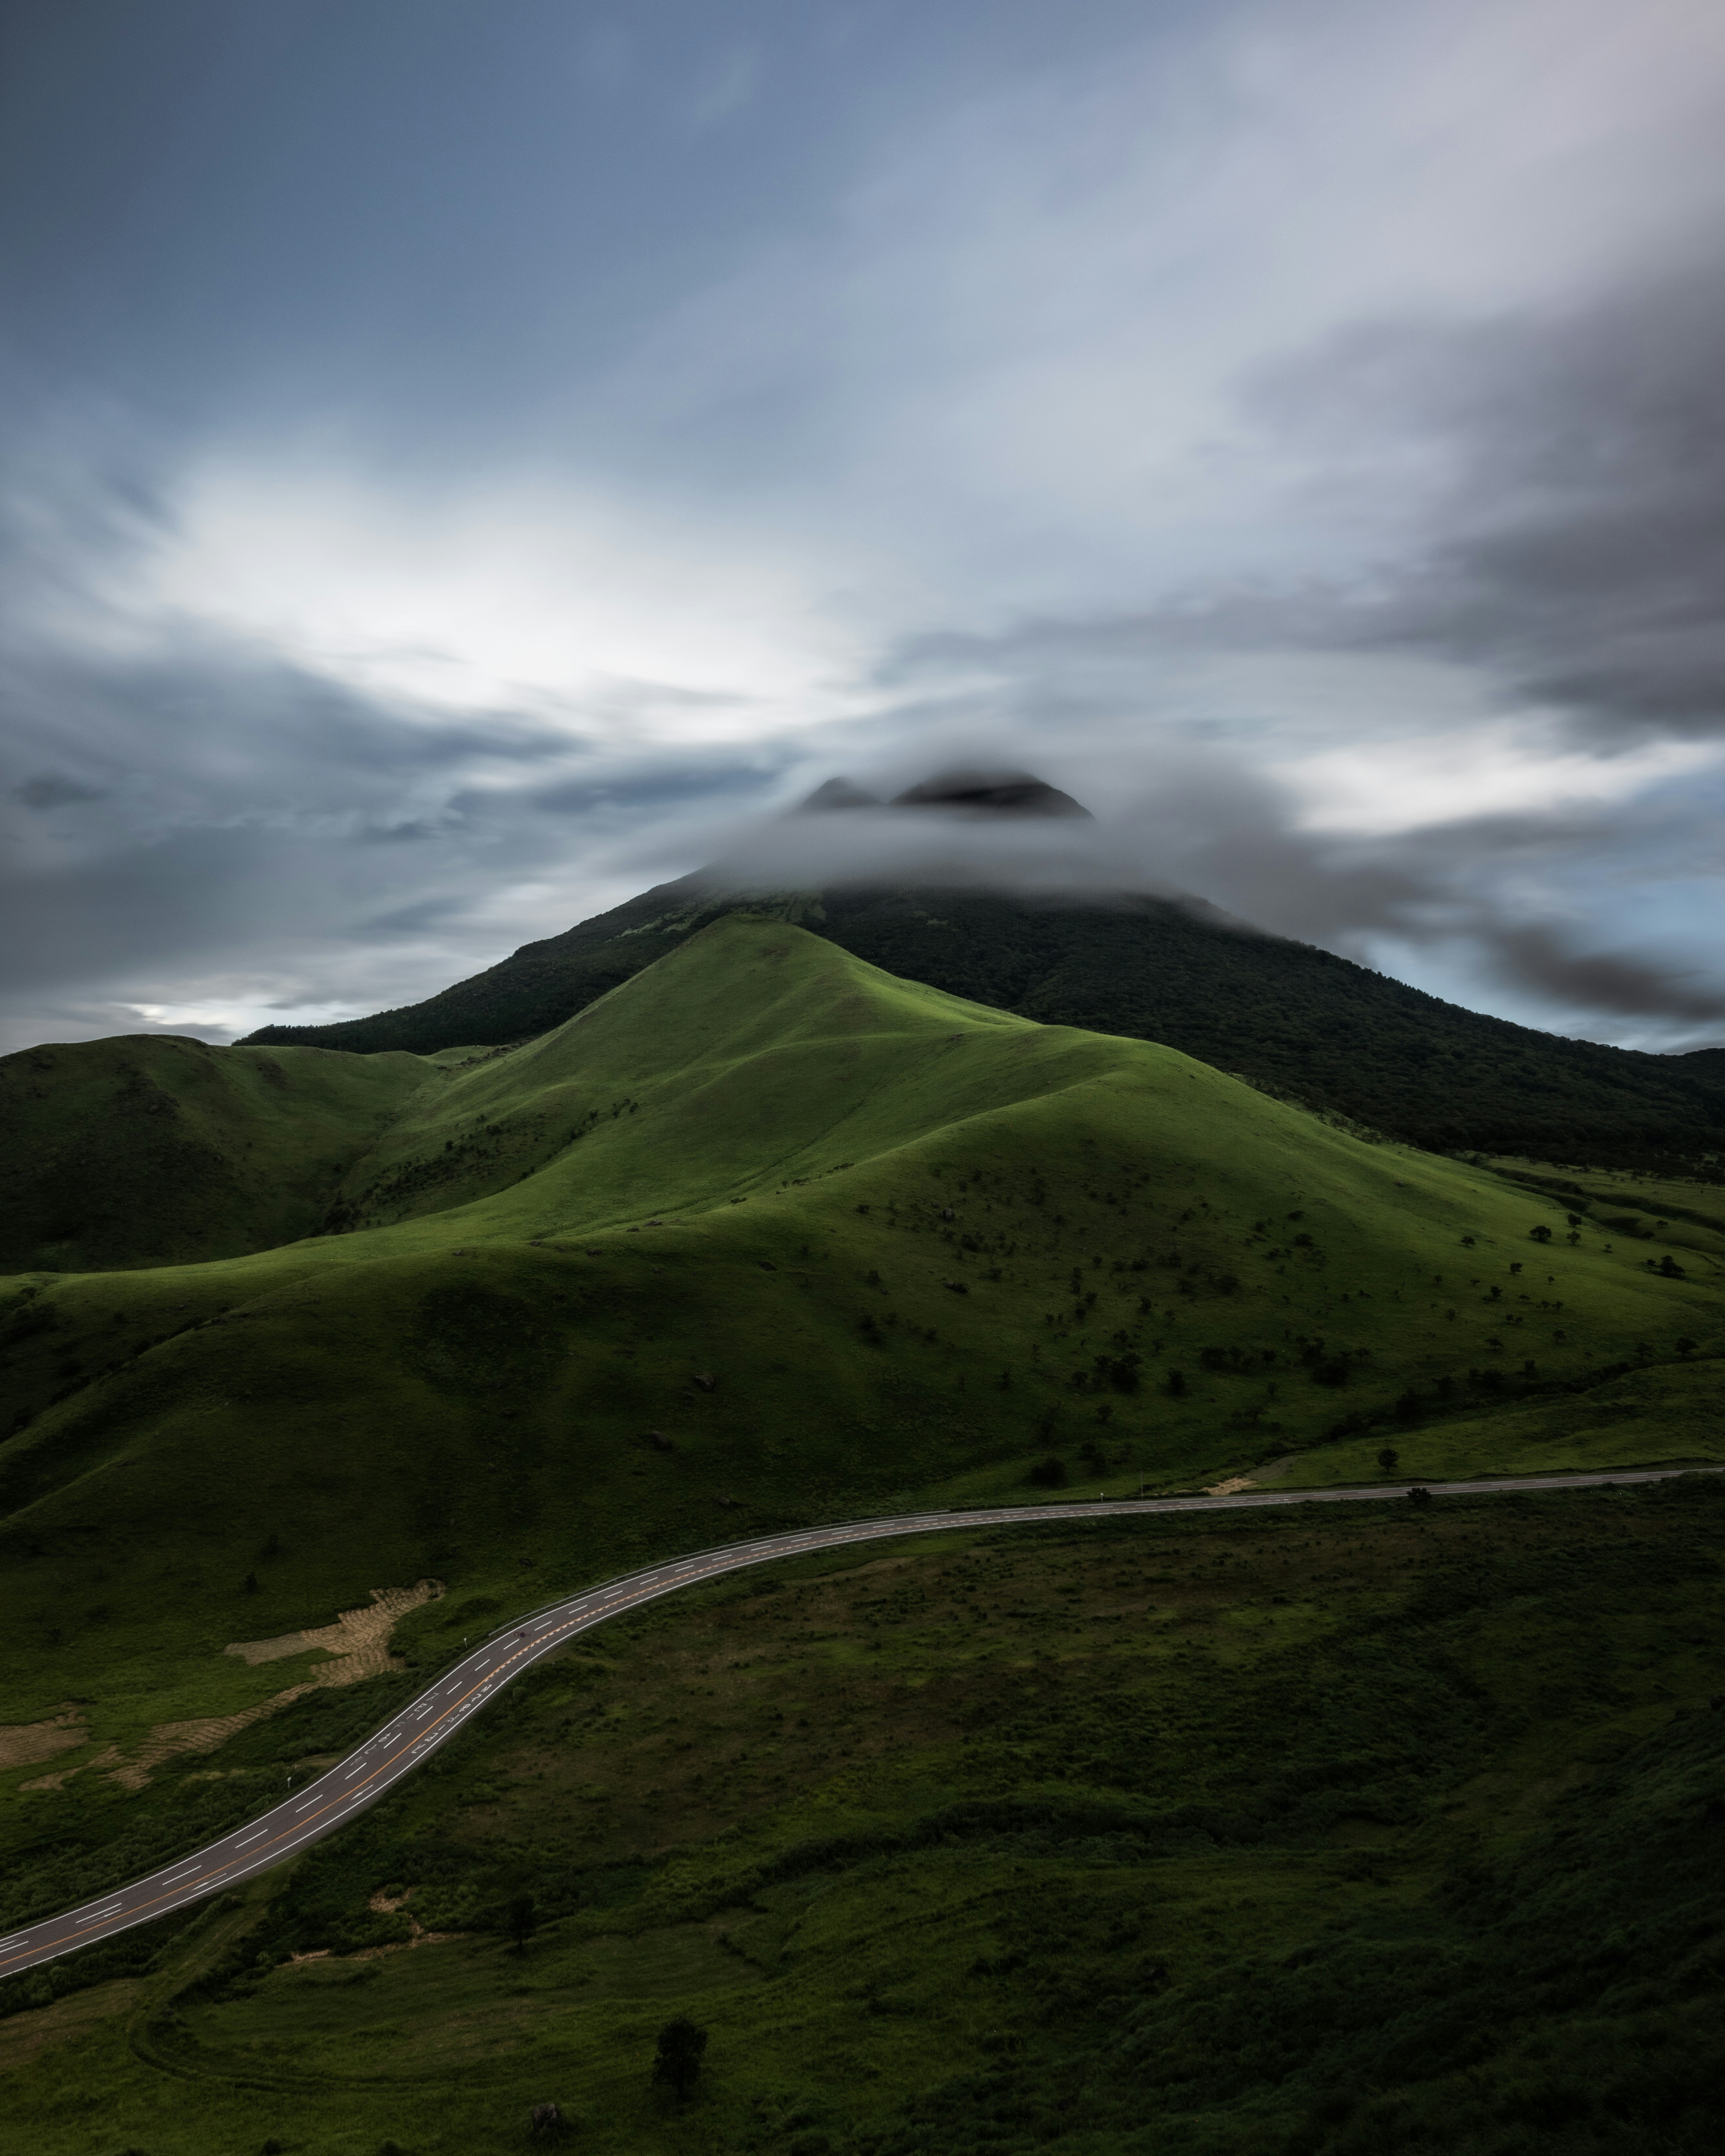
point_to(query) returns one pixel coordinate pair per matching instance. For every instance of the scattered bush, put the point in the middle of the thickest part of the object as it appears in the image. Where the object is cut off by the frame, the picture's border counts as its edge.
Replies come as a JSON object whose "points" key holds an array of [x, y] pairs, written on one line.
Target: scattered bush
{"points": [[681, 2048]]}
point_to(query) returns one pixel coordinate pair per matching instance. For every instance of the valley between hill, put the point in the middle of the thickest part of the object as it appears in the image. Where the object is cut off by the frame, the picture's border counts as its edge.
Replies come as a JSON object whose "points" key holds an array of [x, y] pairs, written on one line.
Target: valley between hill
{"points": [[762, 1236]]}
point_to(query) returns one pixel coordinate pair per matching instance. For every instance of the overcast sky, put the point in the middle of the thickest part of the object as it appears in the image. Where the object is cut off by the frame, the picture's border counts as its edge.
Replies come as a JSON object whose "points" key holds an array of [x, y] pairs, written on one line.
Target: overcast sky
{"points": [[465, 460]]}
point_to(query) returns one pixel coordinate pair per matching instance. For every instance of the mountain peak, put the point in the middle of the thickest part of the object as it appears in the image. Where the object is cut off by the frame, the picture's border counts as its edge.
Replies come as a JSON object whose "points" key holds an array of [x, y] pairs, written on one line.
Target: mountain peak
{"points": [[838, 794], [991, 792], [986, 792]]}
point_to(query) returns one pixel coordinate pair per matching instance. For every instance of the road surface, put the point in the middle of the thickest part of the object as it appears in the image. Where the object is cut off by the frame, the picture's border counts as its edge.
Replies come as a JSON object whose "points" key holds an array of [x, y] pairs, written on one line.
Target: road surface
{"points": [[410, 1737]]}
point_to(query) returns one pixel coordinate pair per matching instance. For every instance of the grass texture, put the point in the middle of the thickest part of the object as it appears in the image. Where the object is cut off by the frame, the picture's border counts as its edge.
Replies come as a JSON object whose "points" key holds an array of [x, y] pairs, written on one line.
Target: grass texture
{"points": [[1285, 1834], [1333, 1033], [916, 1247], [762, 1236]]}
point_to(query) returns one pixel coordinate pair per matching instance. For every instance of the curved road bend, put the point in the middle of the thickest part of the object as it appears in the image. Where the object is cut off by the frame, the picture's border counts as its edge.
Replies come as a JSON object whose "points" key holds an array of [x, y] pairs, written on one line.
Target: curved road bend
{"points": [[412, 1736]]}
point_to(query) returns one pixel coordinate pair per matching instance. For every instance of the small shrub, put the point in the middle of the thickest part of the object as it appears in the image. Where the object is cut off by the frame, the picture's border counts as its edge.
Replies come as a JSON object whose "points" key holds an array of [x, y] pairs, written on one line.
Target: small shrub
{"points": [[681, 2046]]}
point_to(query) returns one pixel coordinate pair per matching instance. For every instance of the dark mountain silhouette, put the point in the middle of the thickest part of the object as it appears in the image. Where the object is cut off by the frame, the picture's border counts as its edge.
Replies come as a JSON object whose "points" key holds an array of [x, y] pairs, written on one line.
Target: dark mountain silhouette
{"points": [[838, 794], [1288, 1015], [997, 793]]}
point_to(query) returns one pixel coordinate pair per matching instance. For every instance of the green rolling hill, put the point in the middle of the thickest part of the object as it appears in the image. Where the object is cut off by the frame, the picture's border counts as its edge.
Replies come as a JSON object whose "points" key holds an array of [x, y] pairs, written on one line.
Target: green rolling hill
{"points": [[149, 1152], [1333, 1033], [762, 1233], [916, 1243]]}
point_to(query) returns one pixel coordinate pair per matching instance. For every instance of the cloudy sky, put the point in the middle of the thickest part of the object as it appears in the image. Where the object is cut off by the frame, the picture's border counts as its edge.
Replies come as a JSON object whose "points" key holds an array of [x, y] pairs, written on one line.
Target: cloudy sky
{"points": [[465, 460]]}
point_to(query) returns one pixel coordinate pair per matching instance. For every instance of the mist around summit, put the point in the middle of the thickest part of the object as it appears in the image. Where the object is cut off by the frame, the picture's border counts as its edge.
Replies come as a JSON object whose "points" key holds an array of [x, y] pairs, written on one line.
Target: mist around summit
{"points": [[977, 828]]}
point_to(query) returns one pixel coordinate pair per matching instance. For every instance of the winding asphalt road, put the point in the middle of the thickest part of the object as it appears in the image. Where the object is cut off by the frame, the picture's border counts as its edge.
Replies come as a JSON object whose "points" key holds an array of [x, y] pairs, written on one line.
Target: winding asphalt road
{"points": [[410, 1737]]}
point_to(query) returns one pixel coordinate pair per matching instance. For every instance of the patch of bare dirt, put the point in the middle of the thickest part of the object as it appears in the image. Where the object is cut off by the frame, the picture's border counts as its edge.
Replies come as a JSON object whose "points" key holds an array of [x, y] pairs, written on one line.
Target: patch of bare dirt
{"points": [[357, 1645], [1235, 1482], [358, 1641], [24, 1744]]}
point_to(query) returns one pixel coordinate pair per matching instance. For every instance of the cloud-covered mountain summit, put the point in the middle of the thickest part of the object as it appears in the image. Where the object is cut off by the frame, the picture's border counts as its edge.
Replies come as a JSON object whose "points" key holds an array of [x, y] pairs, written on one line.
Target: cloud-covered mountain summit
{"points": [[1038, 929]]}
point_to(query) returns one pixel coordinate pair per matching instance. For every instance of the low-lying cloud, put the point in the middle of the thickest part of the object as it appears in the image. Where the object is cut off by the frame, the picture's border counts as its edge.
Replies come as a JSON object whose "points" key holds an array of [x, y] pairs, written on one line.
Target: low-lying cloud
{"points": [[1197, 826]]}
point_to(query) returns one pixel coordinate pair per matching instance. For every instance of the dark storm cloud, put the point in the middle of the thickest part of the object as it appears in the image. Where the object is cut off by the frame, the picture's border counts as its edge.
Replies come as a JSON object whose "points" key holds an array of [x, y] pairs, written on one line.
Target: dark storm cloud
{"points": [[1453, 884], [1553, 515], [1457, 884], [213, 730], [1551, 490], [1604, 981], [1576, 545], [49, 790]]}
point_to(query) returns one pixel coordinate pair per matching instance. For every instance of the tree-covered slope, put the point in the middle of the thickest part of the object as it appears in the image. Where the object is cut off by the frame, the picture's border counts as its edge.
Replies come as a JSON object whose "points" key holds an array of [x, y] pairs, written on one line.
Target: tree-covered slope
{"points": [[1333, 1033]]}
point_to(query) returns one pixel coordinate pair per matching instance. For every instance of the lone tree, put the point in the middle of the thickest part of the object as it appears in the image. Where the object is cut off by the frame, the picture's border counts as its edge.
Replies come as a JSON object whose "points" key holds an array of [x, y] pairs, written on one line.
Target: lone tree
{"points": [[681, 2046], [1389, 1459], [523, 1921]]}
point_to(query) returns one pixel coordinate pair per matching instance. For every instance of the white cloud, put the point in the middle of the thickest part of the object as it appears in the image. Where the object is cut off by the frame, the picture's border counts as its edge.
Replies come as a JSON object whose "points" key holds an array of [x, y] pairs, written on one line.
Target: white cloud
{"points": [[1378, 789], [634, 622]]}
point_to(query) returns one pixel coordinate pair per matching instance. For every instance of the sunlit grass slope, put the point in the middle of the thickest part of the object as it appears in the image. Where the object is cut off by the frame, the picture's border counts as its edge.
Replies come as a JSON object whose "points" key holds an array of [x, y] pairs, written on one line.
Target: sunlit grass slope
{"points": [[910, 1247]]}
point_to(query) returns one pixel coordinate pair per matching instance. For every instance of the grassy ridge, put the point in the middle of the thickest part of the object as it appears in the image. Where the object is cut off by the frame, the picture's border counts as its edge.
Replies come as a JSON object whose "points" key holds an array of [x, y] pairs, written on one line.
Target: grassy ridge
{"points": [[912, 1249], [150, 1152], [1319, 1026], [918, 1248], [1272, 1835]]}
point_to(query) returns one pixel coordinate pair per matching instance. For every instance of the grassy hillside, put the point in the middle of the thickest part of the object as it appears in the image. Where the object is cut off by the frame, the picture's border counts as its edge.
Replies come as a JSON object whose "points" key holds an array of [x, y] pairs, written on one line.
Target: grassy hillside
{"points": [[142, 1150], [767, 1236], [1335, 1033], [1253, 1836]]}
